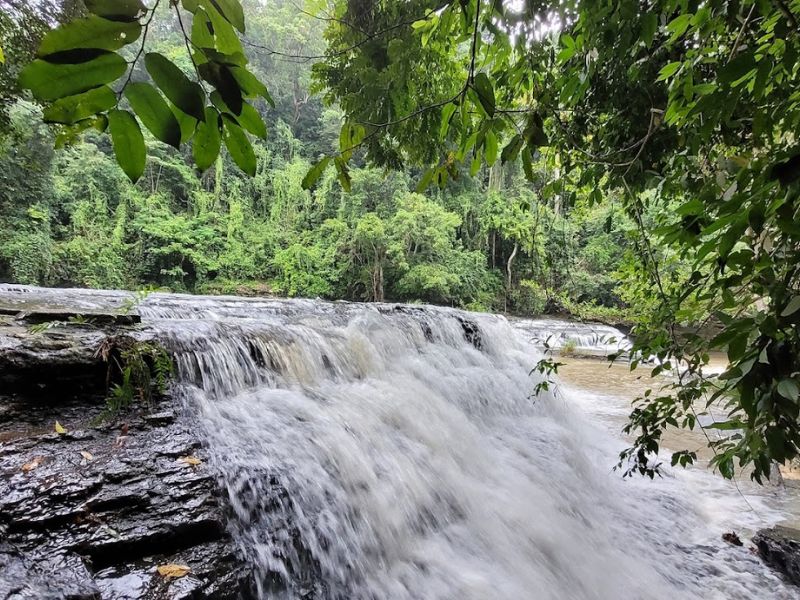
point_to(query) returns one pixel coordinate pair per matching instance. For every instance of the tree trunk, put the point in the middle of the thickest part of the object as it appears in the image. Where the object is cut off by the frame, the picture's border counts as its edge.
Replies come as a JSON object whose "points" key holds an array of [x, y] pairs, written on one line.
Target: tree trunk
{"points": [[508, 271]]}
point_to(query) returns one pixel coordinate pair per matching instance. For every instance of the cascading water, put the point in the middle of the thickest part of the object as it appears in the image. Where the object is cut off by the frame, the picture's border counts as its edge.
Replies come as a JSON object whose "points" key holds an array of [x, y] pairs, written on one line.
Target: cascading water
{"points": [[394, 452], [588, 338]]}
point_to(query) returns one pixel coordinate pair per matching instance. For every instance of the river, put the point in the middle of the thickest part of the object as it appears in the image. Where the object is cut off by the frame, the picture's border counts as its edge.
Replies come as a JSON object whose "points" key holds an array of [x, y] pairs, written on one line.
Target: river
{"points": [[394, 452]]}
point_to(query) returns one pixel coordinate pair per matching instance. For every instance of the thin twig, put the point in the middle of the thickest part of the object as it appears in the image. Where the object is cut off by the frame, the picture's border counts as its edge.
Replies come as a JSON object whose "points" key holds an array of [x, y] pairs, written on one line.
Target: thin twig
{"points": [[787, 13], [135, 60], [739, 35], [186, 39]]}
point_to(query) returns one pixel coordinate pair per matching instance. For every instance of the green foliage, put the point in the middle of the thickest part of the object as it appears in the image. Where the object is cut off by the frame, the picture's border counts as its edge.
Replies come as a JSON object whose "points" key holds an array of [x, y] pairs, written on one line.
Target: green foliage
{"points": [[77, 64], [136, 372]]}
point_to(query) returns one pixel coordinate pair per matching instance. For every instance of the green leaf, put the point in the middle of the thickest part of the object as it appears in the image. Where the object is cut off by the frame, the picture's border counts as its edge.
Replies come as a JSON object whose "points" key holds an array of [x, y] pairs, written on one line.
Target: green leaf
{"points": [[425, 181], [91, 32], [250, 84], [232, 11], [2, 57], [50, 82], [202, 35], [475, 165], [568, 48], [343, 174], [668, 70], [740, 68], [447, 114], [491, 147], [248, 117], [190, 5], [128, 142], [511, 151], [226, 40], [116, 10], [726, 425], [154, 113], [315, 172], [239, 147], [485, 92], [183, 93], [222, 79], [792, 307], [252, 121], [188, 123], [527, 164], [72, 109], [649, 28], [207, 140], [206, 55], [679, 25], [70, 133], [534, 132], [789, 389]]}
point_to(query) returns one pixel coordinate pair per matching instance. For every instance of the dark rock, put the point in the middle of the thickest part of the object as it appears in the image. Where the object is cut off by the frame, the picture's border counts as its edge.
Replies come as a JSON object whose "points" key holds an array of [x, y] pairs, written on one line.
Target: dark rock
{"points": [[779, 547], [161, 418], [732, 539], [78, 527], [34, 317], [472, 333], [63, 358]]}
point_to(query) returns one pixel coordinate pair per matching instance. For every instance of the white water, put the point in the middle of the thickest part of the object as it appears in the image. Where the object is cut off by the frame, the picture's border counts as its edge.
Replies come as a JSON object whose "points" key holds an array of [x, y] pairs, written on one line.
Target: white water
{"points": [[587, 338], [373, 452]]}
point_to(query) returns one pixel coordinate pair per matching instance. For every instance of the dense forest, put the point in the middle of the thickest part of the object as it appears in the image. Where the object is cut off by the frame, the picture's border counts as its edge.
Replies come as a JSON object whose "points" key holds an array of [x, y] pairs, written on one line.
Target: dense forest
{"points": [[497, 242]]}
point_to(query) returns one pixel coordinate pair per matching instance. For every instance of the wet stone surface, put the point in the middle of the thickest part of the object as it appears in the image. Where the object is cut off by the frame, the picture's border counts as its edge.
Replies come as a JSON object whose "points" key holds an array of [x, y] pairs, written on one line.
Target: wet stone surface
{"points": [[93, 512], [780, 548]]}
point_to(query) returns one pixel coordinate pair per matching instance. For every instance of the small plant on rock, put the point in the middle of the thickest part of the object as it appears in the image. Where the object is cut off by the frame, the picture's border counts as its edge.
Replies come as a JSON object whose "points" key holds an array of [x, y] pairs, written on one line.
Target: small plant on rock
{"points": [[136, 371]]}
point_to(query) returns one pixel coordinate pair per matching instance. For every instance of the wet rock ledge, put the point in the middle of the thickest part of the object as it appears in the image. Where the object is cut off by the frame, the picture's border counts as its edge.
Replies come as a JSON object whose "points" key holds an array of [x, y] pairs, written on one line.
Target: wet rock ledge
{"points": [[92, 512], [780, 548]]}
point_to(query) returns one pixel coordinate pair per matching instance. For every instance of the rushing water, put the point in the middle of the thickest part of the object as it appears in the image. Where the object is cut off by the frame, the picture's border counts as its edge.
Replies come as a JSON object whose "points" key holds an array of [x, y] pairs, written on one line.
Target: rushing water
{"points": [[586, 338], [394, 452]]}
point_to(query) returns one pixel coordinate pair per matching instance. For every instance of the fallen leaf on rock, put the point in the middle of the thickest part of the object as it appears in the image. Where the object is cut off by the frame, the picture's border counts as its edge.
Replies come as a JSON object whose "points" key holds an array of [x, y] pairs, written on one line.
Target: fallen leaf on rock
{"points": [[30, 466], [190, 461], [113, 532], [87, 455], [60, 428], [173, 571]]}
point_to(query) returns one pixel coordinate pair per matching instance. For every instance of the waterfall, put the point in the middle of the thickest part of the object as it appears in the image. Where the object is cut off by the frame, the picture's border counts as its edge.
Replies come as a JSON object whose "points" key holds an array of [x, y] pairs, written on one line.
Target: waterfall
{"points": [[381, 451], [586, 338]]}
